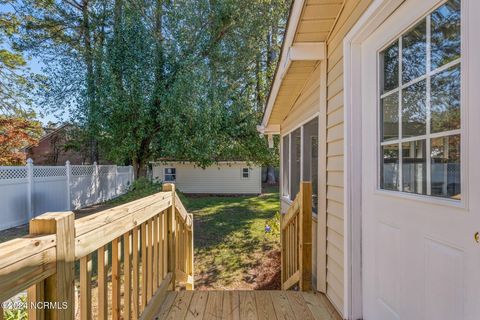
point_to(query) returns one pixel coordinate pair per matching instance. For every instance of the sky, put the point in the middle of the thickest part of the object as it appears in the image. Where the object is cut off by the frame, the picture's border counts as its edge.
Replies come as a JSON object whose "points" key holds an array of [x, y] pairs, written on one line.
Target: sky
{"points": [[35, 65]]}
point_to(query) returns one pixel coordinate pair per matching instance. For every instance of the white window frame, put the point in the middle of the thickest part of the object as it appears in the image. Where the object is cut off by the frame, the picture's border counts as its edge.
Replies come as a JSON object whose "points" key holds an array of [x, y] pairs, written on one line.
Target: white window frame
{"points": [[243, 171], [428, 135], [165, 174]]}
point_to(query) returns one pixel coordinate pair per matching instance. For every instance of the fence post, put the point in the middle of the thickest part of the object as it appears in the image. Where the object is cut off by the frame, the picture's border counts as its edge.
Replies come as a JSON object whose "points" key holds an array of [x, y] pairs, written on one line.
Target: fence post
{"points": [[59, 288], [171, 257], [30, 188], [305, 236], [96, 182], [69, 182], [116, 181]]}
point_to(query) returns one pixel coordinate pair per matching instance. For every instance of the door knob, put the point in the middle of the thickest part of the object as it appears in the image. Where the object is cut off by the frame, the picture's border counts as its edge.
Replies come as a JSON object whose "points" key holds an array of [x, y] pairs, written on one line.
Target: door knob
{"points": [[476, 236]]}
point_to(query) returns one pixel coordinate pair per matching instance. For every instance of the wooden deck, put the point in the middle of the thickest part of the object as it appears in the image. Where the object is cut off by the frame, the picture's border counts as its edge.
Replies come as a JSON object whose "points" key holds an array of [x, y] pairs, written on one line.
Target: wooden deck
{"points": [[242, 305]]}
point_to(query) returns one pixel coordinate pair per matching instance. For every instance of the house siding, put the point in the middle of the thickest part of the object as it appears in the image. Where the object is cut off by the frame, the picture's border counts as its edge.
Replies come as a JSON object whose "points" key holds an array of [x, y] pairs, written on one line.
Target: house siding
{"points": [[222, 178], [352, 11]]}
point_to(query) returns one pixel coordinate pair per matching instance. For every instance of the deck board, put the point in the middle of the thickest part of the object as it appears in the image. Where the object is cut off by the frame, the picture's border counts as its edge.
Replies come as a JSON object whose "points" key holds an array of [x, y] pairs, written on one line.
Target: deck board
{"points": [[235, 305]]}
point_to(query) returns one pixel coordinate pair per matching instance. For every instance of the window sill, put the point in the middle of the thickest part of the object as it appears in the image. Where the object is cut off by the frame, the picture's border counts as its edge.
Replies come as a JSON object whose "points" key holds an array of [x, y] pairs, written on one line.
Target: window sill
{"points": [[459, 204]]}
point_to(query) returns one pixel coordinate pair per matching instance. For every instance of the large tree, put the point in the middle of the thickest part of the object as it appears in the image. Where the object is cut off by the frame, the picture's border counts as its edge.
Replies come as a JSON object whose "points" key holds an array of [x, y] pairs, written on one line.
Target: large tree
{"points": [[184, 79]]}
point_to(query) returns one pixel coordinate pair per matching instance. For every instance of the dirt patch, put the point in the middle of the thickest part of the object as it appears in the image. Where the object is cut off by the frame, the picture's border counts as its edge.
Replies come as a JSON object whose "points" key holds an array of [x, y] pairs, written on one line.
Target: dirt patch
{"points": [[267, 274]]}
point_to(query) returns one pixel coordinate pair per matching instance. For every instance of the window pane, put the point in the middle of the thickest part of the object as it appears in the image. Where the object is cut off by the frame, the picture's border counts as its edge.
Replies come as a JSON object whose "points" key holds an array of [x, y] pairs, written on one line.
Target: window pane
{"points": [[389, 174], [445, 101], [389, 58], [310, 158], [414, 112], [445, 25], [414, 168], [445, 158], [390, 117], [295, 156], [286, 166], [414, 52]]}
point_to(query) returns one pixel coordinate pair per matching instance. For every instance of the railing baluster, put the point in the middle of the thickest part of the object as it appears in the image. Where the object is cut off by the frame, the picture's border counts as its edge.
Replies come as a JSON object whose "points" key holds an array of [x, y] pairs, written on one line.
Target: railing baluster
{"points": [[150, 260], [144, 265], [127, 272], [135, 293], [34, 294], [116, 258], [155, 253], [102, 274], [85, 288]]}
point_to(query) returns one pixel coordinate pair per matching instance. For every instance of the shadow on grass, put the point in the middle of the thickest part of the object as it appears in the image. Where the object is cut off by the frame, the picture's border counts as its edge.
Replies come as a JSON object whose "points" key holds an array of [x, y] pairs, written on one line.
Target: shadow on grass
{"points": [[230, 238]]}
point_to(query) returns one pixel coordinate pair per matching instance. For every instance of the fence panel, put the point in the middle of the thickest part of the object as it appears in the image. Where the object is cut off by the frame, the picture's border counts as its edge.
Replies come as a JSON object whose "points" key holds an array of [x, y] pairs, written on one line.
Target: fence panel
{"points": [[49, 191], [13, 196], [28, 191]]}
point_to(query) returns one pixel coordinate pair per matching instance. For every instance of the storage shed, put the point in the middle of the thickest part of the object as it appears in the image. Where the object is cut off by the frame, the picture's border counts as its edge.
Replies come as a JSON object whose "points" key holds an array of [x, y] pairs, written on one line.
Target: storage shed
{"points": [[224, 177]]}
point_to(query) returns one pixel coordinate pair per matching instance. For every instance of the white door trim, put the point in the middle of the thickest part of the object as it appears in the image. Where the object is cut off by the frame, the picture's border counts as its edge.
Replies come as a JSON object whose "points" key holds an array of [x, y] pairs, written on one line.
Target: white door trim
{"points": [[376, 13]]}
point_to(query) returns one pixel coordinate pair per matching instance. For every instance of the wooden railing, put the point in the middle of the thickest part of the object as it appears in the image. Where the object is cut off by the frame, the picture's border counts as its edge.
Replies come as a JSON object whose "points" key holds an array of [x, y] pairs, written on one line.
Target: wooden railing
{"points": [[125, 258], [296, 240]]}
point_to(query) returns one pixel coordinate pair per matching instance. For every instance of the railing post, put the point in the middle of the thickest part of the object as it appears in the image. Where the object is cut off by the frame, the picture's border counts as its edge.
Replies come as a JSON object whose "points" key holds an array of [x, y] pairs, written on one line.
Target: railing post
{"points": [[69, 184], [59, 288], [30, 188], [172, 254], [190, 282], [305, 237]]}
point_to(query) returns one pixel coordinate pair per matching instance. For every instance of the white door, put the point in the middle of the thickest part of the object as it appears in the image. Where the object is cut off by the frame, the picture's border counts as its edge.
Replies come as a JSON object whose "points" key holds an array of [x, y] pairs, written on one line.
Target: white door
{"points": [[421, 163]]}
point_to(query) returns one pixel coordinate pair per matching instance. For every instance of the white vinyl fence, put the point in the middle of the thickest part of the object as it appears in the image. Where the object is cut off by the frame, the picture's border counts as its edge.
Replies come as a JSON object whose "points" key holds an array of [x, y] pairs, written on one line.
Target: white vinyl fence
{"points": [[28, 191]]}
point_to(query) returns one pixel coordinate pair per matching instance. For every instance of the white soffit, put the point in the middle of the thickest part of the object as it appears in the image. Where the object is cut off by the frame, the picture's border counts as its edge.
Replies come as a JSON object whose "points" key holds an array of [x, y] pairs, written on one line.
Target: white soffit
{"points": [[304, 46]]}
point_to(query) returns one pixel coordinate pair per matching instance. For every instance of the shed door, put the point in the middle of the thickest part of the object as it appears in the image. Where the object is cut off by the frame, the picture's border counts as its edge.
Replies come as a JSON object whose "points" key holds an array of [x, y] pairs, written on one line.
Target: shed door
{"points": [[421, 163]]}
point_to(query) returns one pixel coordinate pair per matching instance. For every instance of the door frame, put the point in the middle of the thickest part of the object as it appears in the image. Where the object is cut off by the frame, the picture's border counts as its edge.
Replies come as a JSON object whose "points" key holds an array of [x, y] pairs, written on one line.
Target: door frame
{"points": [[373, 17]]}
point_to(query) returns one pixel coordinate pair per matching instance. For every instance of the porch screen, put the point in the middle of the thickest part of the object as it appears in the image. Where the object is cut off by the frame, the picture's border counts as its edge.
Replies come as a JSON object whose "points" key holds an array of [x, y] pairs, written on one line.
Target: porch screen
{"points": [[310, 158], [295, 156], [286, 166]]}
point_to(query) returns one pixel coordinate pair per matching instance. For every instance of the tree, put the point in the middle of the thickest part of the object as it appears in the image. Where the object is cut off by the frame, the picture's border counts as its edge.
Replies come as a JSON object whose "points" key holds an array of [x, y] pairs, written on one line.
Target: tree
{"points": [[160, 78], [16, 82], [16, 133]]}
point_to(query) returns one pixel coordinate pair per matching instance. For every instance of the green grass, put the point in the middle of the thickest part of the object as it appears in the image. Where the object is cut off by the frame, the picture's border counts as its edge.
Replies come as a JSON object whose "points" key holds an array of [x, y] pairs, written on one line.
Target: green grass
{"points": [[230, 237]]}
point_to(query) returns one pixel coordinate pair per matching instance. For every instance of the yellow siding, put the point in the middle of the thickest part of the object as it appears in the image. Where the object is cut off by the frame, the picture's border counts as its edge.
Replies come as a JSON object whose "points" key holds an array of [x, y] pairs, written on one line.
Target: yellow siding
{"points": [[351, 12], [222, 178]]}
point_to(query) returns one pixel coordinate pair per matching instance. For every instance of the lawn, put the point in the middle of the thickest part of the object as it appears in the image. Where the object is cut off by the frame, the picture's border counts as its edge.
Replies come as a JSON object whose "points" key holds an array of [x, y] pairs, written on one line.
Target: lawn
{"points": [[232, 248]]}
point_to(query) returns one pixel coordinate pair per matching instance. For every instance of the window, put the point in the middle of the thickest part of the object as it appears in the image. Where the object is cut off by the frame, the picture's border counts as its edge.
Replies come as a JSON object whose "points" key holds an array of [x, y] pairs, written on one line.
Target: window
{"points": [[170, 175], [420, 107], [245, 173], [300, 161], [286, 166]]}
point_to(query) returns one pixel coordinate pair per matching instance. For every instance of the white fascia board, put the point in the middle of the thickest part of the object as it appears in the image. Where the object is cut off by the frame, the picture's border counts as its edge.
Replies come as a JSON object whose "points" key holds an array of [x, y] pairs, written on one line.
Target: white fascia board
{"points": [[271, 129], [307, 51], [297, 8]]}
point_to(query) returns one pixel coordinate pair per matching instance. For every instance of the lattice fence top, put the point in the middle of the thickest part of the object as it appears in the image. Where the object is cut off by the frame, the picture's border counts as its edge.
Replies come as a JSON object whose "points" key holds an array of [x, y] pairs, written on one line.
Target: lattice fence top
{"points": [[105, 170], [43, 172], [82, 170], [10, 173], [123, 169]]}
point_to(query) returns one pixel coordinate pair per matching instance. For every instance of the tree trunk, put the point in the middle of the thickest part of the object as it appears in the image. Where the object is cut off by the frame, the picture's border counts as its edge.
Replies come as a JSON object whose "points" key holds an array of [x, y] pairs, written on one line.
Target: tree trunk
{"points": [[271, 179], [90, 77]]}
